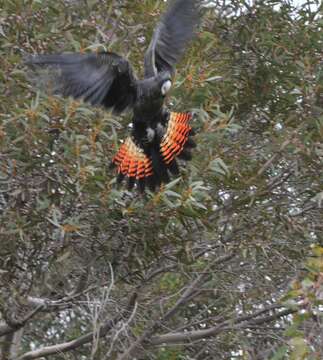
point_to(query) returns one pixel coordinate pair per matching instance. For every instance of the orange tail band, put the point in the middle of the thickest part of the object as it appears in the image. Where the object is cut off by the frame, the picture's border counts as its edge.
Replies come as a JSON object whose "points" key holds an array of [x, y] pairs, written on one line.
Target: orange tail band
{"points": [[132, 162], [176, 136], [150, 169]]}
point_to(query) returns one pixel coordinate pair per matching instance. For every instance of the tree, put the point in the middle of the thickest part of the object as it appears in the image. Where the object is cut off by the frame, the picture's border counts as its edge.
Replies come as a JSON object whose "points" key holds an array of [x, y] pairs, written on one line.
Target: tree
{"points": [[223, 262]]}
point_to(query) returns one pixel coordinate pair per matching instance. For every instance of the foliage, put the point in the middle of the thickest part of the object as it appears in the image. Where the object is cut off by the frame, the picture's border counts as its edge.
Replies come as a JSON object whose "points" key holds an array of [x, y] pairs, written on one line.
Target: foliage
{"points": [[224, 262]]}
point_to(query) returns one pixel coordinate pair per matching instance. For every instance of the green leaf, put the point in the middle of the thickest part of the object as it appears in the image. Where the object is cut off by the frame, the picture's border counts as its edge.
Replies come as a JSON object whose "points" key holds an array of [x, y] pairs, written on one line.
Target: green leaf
{"points": [[218, 166], [280, 353], [299, 348]]}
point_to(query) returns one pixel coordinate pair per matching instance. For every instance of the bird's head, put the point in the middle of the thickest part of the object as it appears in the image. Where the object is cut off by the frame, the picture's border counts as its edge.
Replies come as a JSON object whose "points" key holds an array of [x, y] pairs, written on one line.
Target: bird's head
{"points": [[155, 88]]}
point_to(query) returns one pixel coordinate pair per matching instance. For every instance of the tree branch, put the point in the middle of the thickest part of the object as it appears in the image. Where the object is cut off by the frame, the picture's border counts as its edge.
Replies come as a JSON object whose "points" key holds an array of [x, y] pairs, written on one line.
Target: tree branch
{"points": [[6, 345], [187, 295], [7, 329], [87, 338], [244, 321]]}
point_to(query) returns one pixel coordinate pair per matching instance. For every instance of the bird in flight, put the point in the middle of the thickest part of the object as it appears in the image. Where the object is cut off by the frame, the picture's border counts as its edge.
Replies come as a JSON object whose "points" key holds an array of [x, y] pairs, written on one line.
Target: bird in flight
{"points": [[158, 136]]}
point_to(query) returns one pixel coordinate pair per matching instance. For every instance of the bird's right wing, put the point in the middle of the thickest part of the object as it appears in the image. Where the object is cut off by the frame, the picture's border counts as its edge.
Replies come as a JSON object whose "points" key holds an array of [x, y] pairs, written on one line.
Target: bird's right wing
{"points": [[104, 79], [171, 36]]}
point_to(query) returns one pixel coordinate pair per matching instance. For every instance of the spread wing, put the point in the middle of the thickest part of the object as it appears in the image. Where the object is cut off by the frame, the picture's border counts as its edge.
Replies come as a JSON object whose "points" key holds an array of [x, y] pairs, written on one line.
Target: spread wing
{"points": [[104, 79], [171, 36]]}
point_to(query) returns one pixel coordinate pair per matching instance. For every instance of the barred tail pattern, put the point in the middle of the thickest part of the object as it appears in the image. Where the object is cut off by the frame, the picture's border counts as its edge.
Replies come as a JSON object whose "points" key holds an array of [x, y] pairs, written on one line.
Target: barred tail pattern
{"points": [[176, 136], [132, 162], [151, 167]]}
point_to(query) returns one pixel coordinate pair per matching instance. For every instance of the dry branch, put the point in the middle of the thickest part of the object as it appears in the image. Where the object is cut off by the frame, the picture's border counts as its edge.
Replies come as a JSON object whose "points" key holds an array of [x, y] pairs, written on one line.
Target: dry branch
{"points": [[186, 296], [7, 329], [85, 339], [228, 325]]}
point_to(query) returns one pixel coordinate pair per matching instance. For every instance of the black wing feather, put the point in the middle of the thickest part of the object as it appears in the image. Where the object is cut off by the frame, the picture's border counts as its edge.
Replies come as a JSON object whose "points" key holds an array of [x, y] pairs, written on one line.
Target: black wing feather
{"points": [[104, 79], [171, 36]]}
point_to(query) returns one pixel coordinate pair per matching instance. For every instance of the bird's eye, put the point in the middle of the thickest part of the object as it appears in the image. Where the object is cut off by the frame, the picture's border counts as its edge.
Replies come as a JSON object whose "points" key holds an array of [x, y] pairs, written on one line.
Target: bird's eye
{"points": [[165, 87]]}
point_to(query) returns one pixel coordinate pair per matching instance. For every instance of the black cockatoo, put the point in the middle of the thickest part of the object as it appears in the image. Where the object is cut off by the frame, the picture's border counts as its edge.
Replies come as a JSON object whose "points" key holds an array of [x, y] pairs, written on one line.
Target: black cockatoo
{"points": [[106, 79]]}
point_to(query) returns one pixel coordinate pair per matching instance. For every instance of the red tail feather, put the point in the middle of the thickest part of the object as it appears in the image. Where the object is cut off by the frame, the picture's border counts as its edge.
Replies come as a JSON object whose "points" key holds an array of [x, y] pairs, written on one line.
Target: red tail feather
{"points": [[176, 136], [137, 166], [132, 161]]}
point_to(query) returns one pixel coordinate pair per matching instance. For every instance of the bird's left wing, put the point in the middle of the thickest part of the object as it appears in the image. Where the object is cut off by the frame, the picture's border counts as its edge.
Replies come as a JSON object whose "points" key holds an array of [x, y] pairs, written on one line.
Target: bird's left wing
{"points": [[171, 36], [104, 79]]}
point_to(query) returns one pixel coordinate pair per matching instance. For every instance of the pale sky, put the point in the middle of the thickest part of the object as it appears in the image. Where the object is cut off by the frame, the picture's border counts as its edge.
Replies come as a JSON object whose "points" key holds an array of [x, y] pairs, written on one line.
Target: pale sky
{"points": [[295, 2]]}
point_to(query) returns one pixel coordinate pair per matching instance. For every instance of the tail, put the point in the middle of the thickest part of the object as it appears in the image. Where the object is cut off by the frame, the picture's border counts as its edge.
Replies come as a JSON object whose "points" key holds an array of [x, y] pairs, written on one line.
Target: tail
{"points": [[152, 168]]}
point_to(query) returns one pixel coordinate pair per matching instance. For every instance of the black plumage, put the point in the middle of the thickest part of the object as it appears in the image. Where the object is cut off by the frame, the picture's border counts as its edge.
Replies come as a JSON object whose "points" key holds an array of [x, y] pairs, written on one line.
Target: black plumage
{"points": [[107, 79]]}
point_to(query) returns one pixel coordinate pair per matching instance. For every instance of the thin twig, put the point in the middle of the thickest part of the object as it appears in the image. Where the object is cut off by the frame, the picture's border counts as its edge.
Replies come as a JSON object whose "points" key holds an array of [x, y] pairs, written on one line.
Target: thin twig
{"points": [[189, 336], [85, 339], [7, 329], [146, 335]]}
